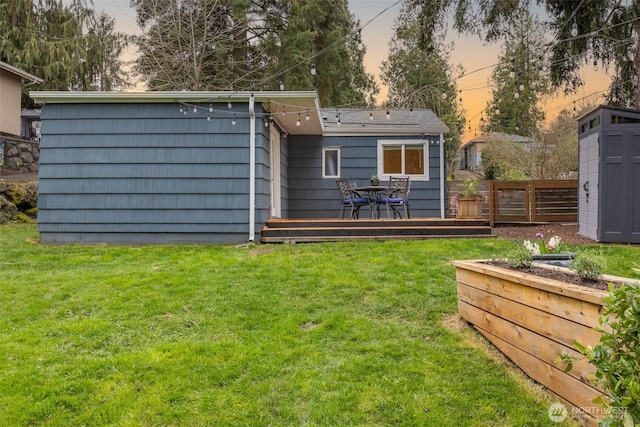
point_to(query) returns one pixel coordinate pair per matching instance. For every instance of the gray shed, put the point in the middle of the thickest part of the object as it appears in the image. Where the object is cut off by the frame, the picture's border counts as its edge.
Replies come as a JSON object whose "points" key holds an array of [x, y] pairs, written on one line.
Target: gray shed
{"points": [[609, 175], [213, 167]]}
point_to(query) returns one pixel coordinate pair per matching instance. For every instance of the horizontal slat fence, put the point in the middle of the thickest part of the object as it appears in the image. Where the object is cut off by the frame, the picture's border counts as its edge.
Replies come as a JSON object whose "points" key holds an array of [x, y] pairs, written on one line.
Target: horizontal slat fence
{"points": [[533, 201]]}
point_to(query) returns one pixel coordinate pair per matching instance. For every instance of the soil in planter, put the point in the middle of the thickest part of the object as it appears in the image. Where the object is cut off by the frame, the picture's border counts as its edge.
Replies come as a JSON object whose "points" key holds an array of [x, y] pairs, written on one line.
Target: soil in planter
{"points": [[556, 275]]}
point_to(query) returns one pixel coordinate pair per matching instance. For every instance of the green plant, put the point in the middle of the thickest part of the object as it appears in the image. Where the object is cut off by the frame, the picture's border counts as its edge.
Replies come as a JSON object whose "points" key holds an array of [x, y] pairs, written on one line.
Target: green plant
{"points": [[375, 178], [469, 188], [617, 356], [588, 265], [520, 257]]}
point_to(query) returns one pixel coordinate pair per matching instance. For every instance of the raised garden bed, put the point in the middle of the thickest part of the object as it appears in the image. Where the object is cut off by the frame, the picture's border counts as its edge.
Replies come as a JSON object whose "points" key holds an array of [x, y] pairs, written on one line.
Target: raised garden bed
{"points": [[533, 320]]}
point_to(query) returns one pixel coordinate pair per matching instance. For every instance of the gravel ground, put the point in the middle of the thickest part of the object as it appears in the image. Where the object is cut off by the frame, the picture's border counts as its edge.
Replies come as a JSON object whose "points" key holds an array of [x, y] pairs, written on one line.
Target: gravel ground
{"points": [[567, 232]]}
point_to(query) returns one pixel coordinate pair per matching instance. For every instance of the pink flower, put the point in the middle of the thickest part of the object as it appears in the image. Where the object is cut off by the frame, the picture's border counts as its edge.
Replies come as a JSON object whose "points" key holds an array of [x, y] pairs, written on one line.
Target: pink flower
{"points": [[539, 236]]}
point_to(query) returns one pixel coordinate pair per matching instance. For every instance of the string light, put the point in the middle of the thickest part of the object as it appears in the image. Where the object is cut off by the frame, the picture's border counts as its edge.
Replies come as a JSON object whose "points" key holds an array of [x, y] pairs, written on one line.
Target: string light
{"points": [[233, 122], [298, 121], [181, 108], [281, 85], [574, 29], [208, 118], [388, 115], [360, 45], [307, 116], [370, 115], [210, 108], [229, 103], [313, 69]]}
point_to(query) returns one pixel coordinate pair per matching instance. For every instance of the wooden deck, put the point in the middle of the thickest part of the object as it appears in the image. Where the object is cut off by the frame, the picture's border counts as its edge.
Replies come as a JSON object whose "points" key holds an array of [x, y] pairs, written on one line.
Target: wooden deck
{"points": [[333, 230]]}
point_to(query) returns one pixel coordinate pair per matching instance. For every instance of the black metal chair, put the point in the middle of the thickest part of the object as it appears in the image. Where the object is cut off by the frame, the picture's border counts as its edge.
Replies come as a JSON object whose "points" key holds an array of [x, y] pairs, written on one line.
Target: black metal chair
{"points": [[396, 196], [350, 198]]}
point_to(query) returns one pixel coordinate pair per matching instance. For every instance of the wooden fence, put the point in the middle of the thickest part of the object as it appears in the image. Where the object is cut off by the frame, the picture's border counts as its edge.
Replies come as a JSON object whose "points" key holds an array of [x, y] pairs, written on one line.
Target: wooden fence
{"points": [[533, 201]]}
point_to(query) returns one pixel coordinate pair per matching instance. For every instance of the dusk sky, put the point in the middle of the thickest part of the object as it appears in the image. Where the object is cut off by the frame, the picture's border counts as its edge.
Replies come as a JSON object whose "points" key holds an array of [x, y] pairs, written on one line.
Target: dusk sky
{"points": [[469, 51]]}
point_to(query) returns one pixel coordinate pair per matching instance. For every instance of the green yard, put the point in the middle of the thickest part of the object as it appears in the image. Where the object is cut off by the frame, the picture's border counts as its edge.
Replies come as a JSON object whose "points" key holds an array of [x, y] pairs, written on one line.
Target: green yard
{"points": [[329, 334]]}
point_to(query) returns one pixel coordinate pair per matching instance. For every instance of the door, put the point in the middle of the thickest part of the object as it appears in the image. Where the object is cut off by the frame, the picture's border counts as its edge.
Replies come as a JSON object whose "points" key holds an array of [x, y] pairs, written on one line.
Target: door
{"points": [[274, 174], [588, 186]]}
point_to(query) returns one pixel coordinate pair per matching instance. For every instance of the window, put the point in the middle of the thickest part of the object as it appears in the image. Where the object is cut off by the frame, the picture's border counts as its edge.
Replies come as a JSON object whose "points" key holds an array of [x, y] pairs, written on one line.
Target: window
{"points": [[407, 158], [331, 162]]}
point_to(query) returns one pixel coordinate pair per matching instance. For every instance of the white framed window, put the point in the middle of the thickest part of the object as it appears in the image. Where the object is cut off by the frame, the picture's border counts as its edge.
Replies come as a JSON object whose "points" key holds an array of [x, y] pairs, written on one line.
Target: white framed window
{"points": [[331, 162], [404, 158]]}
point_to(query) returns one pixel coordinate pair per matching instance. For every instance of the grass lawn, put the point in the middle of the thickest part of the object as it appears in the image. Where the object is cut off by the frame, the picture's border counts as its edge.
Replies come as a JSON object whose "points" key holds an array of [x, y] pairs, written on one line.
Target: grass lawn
{"points": [[333, 334]]}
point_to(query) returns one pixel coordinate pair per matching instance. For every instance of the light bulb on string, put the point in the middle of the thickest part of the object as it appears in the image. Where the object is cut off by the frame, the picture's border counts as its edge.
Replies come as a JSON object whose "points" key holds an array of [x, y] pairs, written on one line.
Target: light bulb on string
{"points": [[313, 69], [181, 109], [411, 111], [266, 123], [307, 116], [388, 115], [281, 85], [208, 118], [360, 45], [574, 29], [233, 122], [298, 121], [339, 123], [210, 108], [229, 103], [370, 115]]}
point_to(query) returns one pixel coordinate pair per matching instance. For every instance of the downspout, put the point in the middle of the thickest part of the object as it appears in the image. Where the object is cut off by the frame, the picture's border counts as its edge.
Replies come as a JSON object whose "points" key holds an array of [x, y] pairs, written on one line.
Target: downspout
{"points": [[252, 169], [442, 177]]}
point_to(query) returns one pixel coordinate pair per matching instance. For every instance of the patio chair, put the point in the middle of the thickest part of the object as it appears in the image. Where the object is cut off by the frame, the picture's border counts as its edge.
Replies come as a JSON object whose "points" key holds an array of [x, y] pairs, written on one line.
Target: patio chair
{"points": [[350, 198], [395, 197]]}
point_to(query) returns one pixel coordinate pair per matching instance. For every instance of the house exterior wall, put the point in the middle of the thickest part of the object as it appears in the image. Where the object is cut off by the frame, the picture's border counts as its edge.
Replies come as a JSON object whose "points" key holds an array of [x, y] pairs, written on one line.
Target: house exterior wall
{"points": [[312, 196], [146, 173], [10, 97]]}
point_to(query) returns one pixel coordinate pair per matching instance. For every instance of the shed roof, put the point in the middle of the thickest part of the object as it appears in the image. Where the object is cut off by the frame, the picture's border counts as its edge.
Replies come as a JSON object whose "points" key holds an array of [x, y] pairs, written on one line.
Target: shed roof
{"points": [[296, 112]]}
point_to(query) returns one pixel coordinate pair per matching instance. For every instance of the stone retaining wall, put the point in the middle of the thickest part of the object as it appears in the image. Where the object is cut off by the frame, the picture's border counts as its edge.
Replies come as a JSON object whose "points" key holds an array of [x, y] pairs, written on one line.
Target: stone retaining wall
{"points": [[18, 156], [18, 201]]}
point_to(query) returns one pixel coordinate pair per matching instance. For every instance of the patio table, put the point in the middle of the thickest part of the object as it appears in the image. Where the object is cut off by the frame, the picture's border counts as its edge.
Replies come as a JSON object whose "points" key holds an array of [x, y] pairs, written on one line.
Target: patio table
{"points": [[371, 192]]}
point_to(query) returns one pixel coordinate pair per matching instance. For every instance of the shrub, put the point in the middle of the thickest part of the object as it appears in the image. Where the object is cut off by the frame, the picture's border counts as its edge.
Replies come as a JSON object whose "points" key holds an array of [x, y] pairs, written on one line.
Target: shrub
{"points": [[588, 265], [617, 356], [520, 257]]}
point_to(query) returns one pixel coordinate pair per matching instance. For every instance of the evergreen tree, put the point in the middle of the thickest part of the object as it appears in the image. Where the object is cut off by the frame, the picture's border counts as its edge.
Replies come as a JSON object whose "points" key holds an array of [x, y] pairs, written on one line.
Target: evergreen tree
{"points": [[418, 74], [320, 35], [602, 32], [518, 82], [59, 43]]}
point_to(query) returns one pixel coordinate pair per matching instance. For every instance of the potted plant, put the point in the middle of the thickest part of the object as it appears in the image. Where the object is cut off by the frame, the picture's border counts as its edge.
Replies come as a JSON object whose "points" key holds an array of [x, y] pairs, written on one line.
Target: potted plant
{"points": [[375, 180], [535, 313], [469, 200]]}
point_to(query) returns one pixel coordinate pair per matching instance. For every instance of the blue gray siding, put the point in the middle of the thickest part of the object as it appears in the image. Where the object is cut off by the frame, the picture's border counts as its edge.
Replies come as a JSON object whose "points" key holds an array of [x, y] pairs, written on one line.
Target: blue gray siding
{"points": [[145, 173], [312, 196]]}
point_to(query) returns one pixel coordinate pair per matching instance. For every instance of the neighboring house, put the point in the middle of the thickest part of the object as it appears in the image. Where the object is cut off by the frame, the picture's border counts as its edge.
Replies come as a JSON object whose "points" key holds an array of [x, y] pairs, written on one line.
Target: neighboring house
{"points": [[11, 97], [30, 124], [471, 157], [160, 167]]}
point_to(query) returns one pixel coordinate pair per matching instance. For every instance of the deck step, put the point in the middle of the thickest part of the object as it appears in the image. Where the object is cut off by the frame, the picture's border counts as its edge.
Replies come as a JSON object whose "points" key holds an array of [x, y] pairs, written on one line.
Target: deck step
{"points": [[328, 230]]}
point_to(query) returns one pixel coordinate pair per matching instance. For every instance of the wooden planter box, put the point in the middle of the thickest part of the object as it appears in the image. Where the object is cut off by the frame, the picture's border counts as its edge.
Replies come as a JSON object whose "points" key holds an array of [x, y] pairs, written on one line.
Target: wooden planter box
{"points": [[533, 320], [469, 207]]}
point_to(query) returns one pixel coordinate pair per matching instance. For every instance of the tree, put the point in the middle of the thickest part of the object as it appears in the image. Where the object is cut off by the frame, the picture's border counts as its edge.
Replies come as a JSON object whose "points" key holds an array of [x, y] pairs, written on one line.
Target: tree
{"points": [[61, 44], [259, 44], [604, 32], [556, 149], [518, 82], [193, 44], [418, 74]]}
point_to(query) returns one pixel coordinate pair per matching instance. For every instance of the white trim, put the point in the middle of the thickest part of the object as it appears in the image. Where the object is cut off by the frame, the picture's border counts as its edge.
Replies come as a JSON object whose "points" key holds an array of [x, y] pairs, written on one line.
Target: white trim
{"points": [[403, 142], [20, 73], [324, 171], [59, 97], [442, 179], [252, 169]]}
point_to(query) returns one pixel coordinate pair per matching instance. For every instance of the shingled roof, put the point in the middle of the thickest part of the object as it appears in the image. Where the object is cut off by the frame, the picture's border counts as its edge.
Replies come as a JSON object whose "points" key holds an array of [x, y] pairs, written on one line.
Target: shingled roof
{"points": [[396, 122]]}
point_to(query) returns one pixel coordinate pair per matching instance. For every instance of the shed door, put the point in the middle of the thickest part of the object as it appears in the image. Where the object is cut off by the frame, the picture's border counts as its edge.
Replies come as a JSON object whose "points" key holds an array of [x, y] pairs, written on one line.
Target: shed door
{"points": [[588, 186], [274, 173], [621, 180]]}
